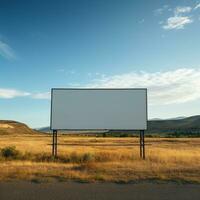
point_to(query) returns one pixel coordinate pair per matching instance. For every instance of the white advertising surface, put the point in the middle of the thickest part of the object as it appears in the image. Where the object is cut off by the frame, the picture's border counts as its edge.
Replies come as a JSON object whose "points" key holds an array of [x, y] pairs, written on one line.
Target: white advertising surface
{"points": [[111, 109]]}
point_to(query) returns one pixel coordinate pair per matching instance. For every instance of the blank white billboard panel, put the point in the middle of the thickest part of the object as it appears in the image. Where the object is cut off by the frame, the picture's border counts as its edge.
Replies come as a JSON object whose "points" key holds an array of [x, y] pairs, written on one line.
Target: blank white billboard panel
{"points": [[112, 109]]}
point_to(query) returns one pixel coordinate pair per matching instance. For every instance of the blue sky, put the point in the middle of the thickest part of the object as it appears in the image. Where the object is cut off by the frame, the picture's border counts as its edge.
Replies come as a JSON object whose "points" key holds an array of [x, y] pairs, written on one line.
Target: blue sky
{"points": [[99, 43]]}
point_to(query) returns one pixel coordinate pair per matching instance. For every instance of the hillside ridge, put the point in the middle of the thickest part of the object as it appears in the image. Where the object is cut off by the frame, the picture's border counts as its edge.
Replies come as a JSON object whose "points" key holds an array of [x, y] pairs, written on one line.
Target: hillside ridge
{"points": [[166, 125], [11, 127], [187, 125]]}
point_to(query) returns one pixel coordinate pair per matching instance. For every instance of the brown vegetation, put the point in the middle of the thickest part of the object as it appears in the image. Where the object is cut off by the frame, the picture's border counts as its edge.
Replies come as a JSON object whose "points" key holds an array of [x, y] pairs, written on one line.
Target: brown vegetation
{"points": [[8, 127], [99, 159]]}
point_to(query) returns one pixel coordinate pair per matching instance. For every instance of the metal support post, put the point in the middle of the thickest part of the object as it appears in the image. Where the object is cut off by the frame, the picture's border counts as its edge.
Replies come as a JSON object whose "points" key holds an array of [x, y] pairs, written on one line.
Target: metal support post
{"points": [[54, 143], [142, 144]]}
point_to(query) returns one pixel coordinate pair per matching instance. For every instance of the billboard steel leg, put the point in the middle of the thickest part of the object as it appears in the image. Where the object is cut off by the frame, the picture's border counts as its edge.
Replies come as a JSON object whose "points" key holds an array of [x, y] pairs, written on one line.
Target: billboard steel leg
{"points": [[54, 143], [142, 145]]}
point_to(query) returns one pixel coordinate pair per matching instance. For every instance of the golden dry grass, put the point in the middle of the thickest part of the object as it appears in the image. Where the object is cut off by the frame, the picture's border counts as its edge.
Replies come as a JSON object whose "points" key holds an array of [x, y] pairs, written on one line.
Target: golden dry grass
{"points": [[102, 159]]}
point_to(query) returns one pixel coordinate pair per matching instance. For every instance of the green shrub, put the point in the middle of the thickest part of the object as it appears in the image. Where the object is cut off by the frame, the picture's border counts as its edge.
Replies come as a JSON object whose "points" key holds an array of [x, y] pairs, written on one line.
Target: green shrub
{"points": [[10, 152], [88, 157]]}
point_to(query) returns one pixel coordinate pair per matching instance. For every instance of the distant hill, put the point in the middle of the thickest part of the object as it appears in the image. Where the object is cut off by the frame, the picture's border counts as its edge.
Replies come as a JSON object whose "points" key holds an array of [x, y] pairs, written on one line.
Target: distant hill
{"points": [[175, 124], [44, 129], [174, 118], [183, 125], [8, 127]]}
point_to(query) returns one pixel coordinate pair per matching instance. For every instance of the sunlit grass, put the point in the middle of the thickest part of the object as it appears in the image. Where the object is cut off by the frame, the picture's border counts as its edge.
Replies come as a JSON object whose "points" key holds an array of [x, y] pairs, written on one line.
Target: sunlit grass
{"points": [[101, 159]]}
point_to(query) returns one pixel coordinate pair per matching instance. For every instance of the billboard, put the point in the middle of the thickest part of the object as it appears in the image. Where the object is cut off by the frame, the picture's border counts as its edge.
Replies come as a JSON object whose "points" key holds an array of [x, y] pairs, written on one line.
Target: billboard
{"points": [[96, 109]]}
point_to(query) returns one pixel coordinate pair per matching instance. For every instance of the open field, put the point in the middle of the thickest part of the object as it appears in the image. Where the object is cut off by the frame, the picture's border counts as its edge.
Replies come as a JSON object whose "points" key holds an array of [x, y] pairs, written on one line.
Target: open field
{"points": [[100, 159]]}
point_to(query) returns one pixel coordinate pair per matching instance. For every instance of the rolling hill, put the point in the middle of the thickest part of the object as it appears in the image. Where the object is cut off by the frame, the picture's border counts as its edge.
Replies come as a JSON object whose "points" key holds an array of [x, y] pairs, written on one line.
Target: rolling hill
{"points": [[188, 126], [8, 127], [177, 127], [183, 125], [188, 123]]}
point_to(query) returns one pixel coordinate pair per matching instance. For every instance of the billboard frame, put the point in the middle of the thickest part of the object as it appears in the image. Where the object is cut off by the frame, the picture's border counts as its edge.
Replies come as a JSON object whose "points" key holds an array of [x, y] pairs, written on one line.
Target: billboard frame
{"points": [[145, 89], [55, 131]]}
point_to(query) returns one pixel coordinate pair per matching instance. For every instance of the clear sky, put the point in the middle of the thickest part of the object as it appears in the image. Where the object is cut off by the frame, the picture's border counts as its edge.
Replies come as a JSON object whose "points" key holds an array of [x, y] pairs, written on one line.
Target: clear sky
{"points": [[99, 43]]}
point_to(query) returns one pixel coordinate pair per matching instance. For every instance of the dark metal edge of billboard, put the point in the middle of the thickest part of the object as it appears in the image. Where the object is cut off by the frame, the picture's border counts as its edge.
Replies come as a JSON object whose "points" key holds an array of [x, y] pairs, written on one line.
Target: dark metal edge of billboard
{"points": [[97, 89]]}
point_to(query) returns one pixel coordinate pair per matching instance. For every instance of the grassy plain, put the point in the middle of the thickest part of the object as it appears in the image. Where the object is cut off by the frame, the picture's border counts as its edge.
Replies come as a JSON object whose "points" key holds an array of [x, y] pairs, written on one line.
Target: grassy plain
{"points": [[101, 159]]}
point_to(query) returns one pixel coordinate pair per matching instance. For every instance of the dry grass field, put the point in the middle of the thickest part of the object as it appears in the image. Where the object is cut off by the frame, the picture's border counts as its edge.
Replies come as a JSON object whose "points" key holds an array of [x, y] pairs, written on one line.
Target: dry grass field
{"points": [[100, 159]]}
